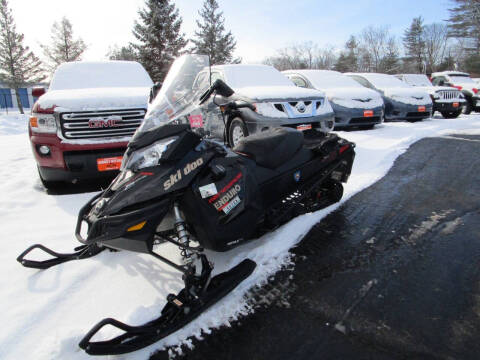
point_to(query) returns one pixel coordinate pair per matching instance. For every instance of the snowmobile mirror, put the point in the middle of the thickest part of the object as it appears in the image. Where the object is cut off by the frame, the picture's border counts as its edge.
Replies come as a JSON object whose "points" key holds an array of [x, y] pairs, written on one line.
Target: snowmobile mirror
{"points": [[220, 88], [154, 91]]}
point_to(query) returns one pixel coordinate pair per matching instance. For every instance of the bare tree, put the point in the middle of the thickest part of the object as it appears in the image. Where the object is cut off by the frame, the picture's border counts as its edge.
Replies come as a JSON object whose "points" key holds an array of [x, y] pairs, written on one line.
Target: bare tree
{"points": [[436, 40], [374, 41], [63, 47], [306, 55]]}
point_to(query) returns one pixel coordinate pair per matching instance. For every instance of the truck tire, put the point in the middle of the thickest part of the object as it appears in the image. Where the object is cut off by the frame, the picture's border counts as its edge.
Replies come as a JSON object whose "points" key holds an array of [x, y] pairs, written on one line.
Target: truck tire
{"points": [[237, 130], [48, 185], [451, 114]]}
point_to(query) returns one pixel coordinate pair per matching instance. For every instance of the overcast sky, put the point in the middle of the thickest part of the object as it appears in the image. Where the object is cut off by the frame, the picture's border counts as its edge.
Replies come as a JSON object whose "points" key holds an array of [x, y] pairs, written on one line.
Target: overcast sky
{"points": [[259, 26]]}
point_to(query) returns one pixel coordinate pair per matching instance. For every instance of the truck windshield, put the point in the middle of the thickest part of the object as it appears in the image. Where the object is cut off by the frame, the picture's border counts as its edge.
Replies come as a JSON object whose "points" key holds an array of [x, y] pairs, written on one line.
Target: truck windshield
{"points": [[106, 74]]}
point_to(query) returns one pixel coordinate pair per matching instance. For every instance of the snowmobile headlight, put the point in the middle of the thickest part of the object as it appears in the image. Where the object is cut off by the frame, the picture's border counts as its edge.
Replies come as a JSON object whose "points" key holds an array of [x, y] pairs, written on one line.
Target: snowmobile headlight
{"points": [[148, 156]]}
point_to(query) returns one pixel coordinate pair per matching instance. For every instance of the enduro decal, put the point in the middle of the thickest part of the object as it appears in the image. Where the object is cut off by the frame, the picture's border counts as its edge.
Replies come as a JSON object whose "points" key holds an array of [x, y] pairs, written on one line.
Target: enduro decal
{"points": [[196, 121], [225, 199], [231, 205], [208, 190], [225, 188], [177, 176]]}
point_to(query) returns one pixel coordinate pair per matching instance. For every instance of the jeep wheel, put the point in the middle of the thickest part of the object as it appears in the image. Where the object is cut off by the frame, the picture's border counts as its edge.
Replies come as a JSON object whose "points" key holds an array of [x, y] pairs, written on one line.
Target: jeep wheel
{"points": [[467, 109], [236, 132], [451, 114]]}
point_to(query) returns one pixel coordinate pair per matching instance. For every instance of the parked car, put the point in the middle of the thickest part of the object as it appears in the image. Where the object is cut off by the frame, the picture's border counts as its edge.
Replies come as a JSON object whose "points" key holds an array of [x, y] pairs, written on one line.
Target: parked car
{"points": [[79, 129], [463, 82], [353, 104], [447, 100], [402, 101], [277, 100]]}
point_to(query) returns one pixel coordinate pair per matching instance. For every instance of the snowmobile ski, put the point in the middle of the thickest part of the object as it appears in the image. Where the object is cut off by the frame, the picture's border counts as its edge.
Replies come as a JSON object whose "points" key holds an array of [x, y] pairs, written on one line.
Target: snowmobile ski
{"points": [[179, 311], [81, 252]]}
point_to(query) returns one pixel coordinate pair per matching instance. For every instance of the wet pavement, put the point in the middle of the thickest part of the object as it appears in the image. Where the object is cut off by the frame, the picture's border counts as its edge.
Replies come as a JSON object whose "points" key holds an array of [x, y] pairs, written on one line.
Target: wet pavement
{"points": [[392, 274]]}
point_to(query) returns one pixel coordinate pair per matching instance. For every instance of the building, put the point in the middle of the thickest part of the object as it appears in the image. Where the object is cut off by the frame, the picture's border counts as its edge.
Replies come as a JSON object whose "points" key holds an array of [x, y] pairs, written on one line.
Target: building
{"points": [[8, 99]]}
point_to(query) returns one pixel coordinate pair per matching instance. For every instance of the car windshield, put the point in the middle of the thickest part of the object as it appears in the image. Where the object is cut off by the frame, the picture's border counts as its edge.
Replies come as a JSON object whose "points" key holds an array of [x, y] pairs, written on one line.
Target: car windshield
{"points": [[462, 79], [239, 76], [106, 74], [330, 79], [385, 81], [177, 97], [417, 80]]}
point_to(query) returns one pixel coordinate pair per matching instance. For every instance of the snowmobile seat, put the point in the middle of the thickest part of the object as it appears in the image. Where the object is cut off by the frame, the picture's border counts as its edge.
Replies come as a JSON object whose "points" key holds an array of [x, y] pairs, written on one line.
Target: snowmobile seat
{"points": [[271, 148]]}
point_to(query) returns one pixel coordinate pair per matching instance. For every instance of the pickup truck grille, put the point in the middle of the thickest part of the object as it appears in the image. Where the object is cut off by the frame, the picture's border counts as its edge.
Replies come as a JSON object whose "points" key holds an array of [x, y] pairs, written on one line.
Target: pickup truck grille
{"points": [[100, 124], [448, 94]]}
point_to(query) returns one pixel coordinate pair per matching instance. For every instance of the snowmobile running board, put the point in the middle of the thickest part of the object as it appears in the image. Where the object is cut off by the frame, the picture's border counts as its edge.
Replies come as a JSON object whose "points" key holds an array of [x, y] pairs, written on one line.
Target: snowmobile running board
{"points": [[81, 252], [178, 312]]}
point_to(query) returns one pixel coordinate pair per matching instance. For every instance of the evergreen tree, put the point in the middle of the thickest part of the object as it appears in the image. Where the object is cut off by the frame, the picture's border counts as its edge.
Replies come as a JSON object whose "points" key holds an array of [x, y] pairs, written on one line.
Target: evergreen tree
{"points": [[18, 65], [63, 47], [414, 43], [390, 63], [465, 23], [212, 38], [352, 54], [123, 53], [159, 36], [342, 64]]}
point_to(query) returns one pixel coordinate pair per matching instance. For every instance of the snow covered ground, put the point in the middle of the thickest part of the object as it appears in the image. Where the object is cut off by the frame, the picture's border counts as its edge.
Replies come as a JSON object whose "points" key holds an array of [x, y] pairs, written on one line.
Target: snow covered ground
{"points": [[46, 313]]}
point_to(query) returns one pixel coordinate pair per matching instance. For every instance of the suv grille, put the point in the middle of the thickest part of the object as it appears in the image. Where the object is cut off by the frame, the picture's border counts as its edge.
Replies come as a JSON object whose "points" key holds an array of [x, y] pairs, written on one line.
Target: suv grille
{"points": [[448, 94], [299, 109], [99, 124]]}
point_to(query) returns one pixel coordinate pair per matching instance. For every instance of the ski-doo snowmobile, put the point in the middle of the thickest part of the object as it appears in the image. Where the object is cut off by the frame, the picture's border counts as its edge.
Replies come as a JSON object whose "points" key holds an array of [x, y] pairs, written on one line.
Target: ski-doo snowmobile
{"points": [[178, 186]]}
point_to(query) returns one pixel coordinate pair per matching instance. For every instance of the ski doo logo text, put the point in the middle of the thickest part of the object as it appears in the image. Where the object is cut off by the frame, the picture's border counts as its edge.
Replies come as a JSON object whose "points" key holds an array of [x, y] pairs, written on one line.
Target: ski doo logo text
{"points": [[176, 177], [229, 195]]}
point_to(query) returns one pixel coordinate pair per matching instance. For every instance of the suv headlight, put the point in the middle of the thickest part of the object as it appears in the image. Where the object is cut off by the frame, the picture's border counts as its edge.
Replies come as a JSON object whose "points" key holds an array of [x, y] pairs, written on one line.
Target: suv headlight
{"points": [[148, 156], [436, 96], [43, 123]]}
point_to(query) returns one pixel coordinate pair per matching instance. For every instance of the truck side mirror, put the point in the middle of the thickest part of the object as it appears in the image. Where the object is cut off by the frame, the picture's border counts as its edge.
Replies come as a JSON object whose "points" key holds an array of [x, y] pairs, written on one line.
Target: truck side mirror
{"points": [[38, 91], [154, 91]]}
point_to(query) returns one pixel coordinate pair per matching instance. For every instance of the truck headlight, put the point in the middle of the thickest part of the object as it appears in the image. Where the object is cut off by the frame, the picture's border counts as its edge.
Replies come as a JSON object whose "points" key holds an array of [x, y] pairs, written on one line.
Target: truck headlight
{"points": [[43, 123], [148, 156]]}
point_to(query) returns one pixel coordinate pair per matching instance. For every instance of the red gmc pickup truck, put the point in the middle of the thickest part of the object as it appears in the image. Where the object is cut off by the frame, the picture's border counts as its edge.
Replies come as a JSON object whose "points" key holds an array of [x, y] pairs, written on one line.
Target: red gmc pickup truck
{"points": [[79, 129]]}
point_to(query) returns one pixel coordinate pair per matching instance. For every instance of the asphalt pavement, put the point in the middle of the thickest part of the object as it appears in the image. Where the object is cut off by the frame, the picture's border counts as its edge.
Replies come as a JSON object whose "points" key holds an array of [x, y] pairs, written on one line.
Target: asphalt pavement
{"points": [[392, 274]]}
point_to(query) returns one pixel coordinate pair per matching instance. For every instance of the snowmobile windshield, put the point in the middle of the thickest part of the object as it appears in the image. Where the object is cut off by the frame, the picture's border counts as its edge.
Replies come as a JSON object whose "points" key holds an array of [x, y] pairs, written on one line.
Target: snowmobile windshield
{"points": [[177, 96]]}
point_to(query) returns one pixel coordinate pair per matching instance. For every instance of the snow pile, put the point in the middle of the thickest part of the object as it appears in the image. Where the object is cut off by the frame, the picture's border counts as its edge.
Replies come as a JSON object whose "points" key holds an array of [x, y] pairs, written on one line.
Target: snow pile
{"points": [[84, 86], [101, 74], [46, 313], [95, 99], [14, 123], [416, 80], [409, 96]]}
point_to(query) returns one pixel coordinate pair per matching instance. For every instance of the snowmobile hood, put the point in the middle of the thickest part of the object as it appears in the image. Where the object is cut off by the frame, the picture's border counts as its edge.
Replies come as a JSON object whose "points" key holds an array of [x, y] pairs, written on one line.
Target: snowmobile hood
{"points": [[264, 93], [95, 99]]}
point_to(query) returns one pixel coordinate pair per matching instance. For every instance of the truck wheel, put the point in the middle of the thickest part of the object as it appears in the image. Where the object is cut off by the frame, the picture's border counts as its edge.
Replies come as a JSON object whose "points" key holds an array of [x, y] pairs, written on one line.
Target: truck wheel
{"points": [[451, 114], [48, 185], [236, 132], [467, 109]]}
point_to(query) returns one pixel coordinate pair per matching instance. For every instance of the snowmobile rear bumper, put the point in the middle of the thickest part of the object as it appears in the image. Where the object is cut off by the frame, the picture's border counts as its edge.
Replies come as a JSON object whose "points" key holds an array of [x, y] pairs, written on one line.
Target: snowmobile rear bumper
{"points": [[133, 230]]}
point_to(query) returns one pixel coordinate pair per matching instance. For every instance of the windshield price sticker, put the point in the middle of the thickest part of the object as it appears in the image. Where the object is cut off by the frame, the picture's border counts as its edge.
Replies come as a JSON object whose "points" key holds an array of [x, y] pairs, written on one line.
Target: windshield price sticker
{"points": [[196, 121], [208, 190]]}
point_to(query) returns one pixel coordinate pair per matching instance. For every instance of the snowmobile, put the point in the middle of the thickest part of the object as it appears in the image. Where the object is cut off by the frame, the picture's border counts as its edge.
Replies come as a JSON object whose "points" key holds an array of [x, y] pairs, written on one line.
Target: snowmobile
{"points": [[176, 185]]}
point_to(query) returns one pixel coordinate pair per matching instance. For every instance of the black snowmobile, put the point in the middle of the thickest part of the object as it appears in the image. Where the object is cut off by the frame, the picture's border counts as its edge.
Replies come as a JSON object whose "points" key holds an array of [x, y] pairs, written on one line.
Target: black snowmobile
{"points": [[178, 186]]}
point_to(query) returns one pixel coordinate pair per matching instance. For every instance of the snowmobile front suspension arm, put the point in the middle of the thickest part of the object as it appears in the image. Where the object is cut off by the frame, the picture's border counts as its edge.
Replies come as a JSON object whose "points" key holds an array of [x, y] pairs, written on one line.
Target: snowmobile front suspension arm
{"points": [[81, 252]]}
